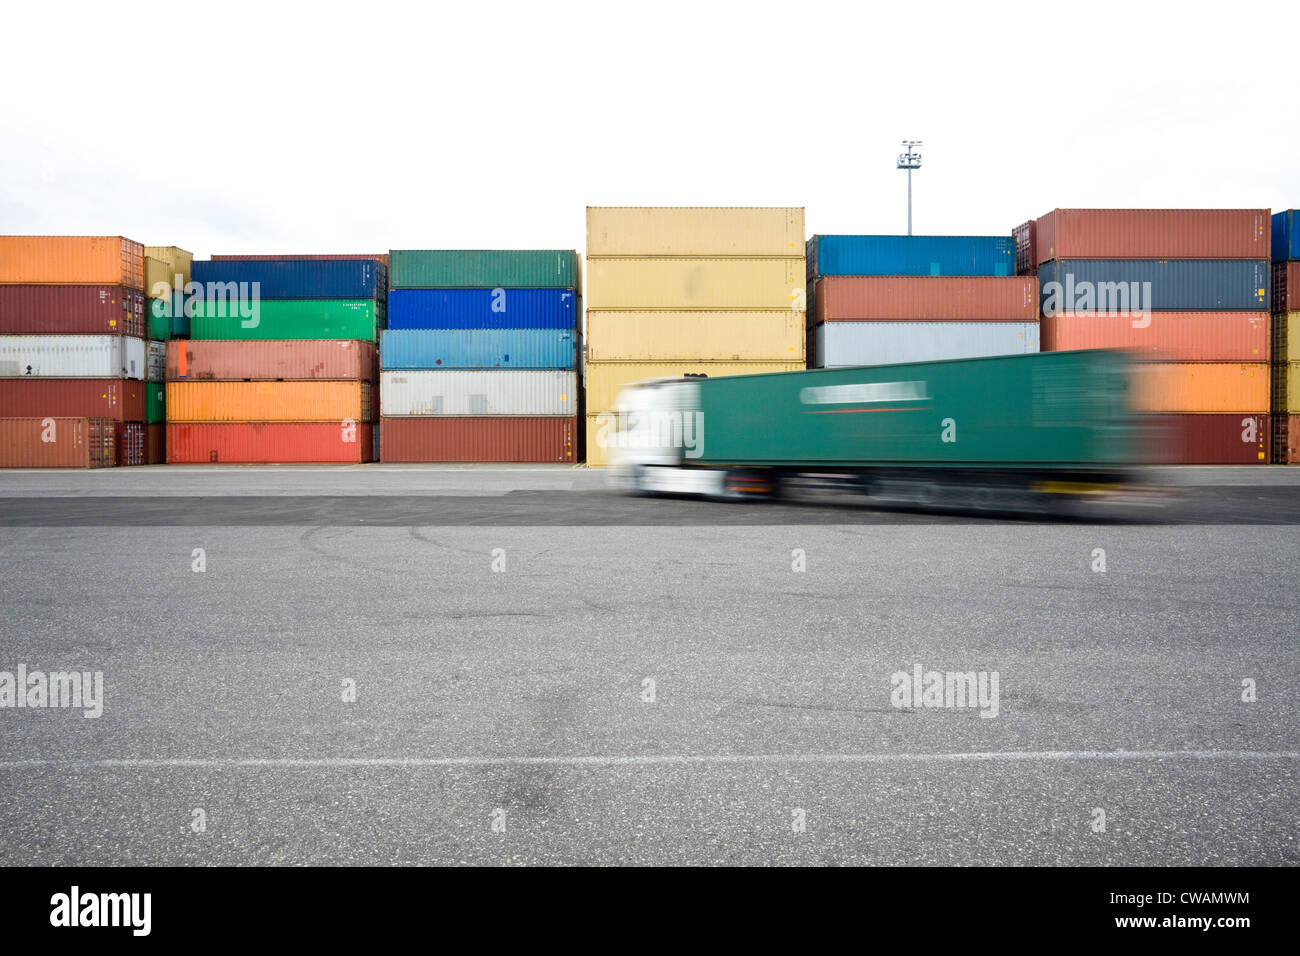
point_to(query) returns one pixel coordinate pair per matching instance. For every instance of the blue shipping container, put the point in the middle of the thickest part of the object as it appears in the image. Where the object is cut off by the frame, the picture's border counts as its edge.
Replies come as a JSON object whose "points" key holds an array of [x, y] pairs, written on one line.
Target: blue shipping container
{"points": [[483, 309], [911, 256], [1286, 235], [301, 278], [1176, 285], [478, 348]]}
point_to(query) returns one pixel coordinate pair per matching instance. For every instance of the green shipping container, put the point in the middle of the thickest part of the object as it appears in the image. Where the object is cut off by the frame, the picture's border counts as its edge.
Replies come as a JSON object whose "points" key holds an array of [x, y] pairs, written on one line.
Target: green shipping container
{"points": [[1051, 408], [483, 269], [155, 396], [290, 319], [163, 324]]}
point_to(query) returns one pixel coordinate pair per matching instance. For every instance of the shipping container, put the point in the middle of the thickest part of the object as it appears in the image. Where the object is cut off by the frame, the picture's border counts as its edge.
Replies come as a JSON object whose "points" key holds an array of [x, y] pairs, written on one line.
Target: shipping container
{"points": [[484, 309], [129, 441], [57, 442], [159, 280], [510, 393], [1286, 287], [484, 269], [1025, 238], [155, 403], [257, 443], [1165, 336], [120, 399], [714, 231], [838, 344], [911, 256], [1286, 387], [178, 261], [914, 298], [72, 356], [1200, 387], [776, 335], [71, 260], [156, 370], [1286, 439], [155, 444], [501, 439], [380, 257], [479, 348], [1286, 235], [1163, 285], [1153, 234], [598, 428], [297, 278], [273, 359], [1206, 439], [1286, 337], [168, 318], [605, 380], [71, 309], [269, 402], [723, 284], [359, 319]]}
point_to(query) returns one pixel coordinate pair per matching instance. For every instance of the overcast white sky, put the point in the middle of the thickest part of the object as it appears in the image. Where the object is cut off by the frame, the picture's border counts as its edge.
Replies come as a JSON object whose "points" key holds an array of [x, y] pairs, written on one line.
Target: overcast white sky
{"points": [[267, 127]]}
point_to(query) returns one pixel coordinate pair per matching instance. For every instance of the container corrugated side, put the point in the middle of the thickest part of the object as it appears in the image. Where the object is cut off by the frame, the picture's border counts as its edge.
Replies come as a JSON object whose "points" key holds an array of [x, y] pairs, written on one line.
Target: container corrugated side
{"points": [[775, 335], [502, 439], [839, 344], [479, 348], [723, 284], [178, 260], [1286, 337], [155, 403], [505, 392], [1286, 287], [269, 402], [359, 319], [1285, 387], [116, 398], [695, 231], [1200, 387], [1207, 439], [483, 309], [1165, 336], [155, 444], [73, 260], [159, 279], [604, 380], [598, 428], [484, 269], [259, 443], [1175, 285], [1286, 235], [272, 359], [72, 356], [1153, 234], [156, 362], [1286, 439], [380, 257], [72, 309], [298, 278], [914, 298], [130, 440], [1025, 238], [49, 442], [911, 256]]}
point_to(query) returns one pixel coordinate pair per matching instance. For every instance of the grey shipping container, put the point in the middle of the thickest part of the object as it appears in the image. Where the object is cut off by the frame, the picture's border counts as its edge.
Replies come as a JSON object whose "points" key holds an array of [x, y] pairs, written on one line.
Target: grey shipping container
{"points": [[839, 344]]}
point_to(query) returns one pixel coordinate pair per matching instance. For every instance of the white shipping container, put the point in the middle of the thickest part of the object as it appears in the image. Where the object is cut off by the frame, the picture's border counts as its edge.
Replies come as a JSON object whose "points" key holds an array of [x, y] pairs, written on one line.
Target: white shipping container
{"points": [[475, 393], [840, 344], [72, 356], [157, 361]]}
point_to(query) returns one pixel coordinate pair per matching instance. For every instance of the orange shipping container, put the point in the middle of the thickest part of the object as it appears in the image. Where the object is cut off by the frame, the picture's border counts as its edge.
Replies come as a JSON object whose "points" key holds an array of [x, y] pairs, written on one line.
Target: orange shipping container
{"points": [[1167, 336], [268, 401], [71, 260], [1200, 387]]}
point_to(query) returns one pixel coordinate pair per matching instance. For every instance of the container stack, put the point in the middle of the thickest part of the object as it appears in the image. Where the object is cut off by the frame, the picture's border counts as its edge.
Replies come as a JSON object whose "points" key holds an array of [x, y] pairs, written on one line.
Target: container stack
{"points": [[879, 300], [1186, 291], [674, 291], [479, 357], [1286, 338], [280, 364], [72, 350], [166, 274]]}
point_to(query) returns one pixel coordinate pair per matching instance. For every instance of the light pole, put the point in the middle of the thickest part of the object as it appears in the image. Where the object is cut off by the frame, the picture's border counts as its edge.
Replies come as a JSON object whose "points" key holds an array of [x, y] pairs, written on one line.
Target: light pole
{"points": [[909, 160]]}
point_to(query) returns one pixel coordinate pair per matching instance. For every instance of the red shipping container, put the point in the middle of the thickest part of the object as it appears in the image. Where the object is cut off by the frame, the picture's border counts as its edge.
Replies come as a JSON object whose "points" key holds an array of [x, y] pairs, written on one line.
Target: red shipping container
{"points": [[1169, 336], [223, 360], [924, 298], [72, 309], [486, 439], [155, 444], [1286, 288], [1153, 234], [130, 443], [1025, 237], [57, 443], [1286, 439], [122, 400], [264, 443], [1238, 439], [377, 257]]}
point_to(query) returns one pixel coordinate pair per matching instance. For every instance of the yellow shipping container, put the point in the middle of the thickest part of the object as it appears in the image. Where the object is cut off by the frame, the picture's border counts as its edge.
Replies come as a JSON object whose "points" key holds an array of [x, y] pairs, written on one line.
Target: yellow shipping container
{"points": [[606, 379], [155, 272], [177, 259], [695, 231], [1286, 337], [268, 401], [1204, 387], [1286, 387], [597, 455], [729, 285], [776, 335]]}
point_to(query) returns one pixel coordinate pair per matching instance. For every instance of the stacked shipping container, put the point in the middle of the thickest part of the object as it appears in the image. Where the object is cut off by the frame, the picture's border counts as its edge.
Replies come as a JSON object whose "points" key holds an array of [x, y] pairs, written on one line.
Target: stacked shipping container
{"points": [[479, 359], [878, 300], [1286, 337], [281, 362], [72, 349], [1186, 291], [675, 291]]}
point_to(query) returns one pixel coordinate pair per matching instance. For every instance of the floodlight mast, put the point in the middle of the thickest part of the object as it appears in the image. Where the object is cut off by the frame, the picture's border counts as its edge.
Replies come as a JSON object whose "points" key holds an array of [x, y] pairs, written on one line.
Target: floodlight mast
{"points": [[909, 160]]}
